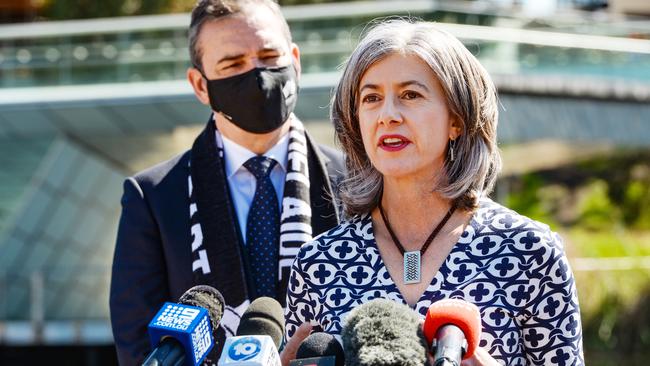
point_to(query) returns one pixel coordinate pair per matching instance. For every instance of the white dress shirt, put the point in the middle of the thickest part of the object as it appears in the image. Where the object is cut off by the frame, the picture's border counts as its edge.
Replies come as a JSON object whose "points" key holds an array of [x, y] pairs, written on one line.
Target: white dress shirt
{"points": [[242, 183]]}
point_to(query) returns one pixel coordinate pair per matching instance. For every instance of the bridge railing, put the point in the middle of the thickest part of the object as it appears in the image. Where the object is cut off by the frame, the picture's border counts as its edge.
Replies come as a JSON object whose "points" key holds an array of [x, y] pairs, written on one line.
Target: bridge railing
{"points": [[150, 48]]}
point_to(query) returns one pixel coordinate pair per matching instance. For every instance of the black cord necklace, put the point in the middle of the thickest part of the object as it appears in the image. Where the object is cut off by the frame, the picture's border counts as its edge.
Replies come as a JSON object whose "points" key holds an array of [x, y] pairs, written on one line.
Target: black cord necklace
{"points": [[412, 260]]}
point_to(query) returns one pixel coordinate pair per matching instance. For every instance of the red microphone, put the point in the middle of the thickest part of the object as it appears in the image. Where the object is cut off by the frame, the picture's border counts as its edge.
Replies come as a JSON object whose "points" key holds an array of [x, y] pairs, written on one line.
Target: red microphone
{"points": [[453, 329]]}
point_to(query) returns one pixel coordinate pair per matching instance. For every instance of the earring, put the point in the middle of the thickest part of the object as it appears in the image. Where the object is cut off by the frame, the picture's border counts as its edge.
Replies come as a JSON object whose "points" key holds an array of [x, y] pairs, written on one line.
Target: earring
{"points": [[452, 145]]}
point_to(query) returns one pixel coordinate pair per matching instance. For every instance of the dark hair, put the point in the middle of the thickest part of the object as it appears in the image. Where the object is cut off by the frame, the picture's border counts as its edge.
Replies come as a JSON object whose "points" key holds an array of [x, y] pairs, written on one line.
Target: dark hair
{"points": [[208, 10]]}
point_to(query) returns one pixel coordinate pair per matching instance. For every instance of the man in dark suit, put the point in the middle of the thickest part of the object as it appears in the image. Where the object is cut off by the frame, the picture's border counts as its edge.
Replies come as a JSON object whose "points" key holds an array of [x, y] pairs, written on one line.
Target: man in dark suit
{"points": [[233, 210]]}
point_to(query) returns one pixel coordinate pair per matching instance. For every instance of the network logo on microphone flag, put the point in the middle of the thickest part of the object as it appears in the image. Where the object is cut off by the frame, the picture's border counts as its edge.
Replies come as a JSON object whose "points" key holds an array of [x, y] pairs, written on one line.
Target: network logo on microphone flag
{"points": [[256, 350], [244, 349], [189, 325]]}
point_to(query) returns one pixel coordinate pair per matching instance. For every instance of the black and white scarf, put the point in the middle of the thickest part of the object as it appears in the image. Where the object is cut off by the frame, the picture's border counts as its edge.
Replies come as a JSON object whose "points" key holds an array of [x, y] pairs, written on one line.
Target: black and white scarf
{"points": [[217, 256]]}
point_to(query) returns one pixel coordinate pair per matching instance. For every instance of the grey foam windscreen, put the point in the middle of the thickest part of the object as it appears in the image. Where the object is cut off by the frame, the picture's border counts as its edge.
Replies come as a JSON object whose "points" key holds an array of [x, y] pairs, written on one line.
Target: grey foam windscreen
{"points": [[383, 333], [206, 297]]}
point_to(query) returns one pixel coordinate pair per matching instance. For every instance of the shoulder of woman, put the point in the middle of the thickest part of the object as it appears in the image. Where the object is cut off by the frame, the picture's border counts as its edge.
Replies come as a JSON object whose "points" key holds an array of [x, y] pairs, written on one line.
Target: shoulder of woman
{"points": [[525, 231]]}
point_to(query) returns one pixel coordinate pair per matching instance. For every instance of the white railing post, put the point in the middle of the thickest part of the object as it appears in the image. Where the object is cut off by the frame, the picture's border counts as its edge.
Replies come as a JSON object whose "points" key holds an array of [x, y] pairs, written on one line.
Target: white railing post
{"points": [[37, 304]]}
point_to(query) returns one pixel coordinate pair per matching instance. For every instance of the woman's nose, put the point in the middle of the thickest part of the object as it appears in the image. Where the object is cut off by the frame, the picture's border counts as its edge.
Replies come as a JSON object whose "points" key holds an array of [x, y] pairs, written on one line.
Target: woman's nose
{"points": [[389, 113]]}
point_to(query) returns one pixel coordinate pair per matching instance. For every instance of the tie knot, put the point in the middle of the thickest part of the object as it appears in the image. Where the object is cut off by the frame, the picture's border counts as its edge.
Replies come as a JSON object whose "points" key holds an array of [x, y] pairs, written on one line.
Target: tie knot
{"points": [[260, 166]]}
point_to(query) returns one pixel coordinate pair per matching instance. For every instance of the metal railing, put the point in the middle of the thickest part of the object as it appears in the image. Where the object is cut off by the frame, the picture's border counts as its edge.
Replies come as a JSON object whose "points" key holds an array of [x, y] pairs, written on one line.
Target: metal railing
{"points": [[57, 293], [149, 48]]}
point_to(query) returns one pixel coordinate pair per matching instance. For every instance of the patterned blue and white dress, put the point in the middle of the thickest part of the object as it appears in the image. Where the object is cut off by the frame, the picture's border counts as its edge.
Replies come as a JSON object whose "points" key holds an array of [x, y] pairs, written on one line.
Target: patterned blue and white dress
{"points": [[513, 268]]}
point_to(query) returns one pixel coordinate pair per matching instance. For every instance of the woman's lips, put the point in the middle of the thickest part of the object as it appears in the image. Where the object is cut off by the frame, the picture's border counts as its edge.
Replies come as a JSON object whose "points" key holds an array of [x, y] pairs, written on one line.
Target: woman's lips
{"points": [[393, 142]]}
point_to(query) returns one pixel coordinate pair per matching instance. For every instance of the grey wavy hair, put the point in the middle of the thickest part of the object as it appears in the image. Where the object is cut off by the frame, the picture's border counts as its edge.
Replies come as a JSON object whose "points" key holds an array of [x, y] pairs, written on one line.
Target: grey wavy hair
{"points": [[471, 98]]}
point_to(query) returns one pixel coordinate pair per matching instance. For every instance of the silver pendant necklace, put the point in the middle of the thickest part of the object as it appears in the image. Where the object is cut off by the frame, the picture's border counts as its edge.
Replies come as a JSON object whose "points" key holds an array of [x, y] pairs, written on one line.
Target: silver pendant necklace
{"points": [[413, 259]]}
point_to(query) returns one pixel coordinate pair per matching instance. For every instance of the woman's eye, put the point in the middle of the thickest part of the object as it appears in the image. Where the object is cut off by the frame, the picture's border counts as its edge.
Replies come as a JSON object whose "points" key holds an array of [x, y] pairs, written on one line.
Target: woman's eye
{"points": [[411, 95], [370, 98]]}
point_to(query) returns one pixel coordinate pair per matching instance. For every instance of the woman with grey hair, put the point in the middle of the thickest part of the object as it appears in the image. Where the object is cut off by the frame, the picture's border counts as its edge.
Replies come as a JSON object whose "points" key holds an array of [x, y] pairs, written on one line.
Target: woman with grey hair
{"points": [[417, 115]]}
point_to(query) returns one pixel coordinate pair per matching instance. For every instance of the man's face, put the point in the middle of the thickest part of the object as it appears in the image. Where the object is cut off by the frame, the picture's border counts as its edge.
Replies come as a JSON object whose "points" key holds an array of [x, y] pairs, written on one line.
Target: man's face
{"points": [[240, 42]]}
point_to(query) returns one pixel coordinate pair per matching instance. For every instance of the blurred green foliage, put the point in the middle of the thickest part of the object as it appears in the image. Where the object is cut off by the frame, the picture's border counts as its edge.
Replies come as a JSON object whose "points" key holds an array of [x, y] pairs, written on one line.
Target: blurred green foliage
{"points": [[596, 211], [83, 9], [527, 198], [618, 242], [601, 208], [615, 309], [602, 193]]}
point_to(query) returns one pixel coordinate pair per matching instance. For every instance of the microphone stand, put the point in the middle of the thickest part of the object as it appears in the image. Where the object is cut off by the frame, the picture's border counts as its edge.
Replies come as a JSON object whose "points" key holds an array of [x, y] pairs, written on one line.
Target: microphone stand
{"points": [[450, 346]]}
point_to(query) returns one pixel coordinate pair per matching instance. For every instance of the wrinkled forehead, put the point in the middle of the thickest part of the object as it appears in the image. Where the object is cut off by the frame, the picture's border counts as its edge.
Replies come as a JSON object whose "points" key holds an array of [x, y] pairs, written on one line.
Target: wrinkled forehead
{"points": [[245, 34], [266, 21]]}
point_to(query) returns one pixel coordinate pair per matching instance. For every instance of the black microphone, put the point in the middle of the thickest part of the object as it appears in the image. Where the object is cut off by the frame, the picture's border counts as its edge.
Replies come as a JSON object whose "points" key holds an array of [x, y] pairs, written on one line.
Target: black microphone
{"points": [[264, 316], [319, 349], [183, 333], [259, 335], [383, 332]]}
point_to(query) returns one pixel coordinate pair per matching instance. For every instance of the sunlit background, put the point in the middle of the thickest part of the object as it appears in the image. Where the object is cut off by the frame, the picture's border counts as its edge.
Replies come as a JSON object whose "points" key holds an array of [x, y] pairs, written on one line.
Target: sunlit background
{"points": [[93, 91]]}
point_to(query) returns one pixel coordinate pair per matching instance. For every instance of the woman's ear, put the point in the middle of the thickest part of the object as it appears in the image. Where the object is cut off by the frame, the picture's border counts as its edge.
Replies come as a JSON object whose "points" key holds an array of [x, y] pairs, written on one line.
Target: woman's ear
{"points": [[455, 129]]}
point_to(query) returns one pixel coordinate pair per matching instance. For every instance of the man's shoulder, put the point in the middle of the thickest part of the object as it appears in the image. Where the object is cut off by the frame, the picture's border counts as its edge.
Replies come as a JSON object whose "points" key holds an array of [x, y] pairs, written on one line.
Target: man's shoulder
{"points": [[333, 155], [174, 167], [333, 159]]}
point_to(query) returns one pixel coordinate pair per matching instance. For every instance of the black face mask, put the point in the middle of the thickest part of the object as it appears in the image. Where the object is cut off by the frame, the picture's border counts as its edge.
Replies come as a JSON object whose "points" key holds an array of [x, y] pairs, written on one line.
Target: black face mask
{"points": [[257, 101]]}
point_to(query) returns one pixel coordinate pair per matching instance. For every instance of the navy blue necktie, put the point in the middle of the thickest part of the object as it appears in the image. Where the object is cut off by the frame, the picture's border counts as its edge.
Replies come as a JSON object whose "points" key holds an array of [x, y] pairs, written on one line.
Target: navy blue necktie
{"points": [[263, 228]]}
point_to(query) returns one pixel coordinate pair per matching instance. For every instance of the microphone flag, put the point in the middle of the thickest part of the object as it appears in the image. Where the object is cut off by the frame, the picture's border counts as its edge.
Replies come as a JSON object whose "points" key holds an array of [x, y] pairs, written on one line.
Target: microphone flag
{"points": [[189, 325]]}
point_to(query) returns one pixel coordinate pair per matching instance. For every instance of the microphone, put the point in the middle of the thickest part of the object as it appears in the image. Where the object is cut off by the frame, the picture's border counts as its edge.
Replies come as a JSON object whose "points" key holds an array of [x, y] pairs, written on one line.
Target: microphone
{"points": [[259, 335], [182, 333], [319, 349], [383, 332], [453, 329]]}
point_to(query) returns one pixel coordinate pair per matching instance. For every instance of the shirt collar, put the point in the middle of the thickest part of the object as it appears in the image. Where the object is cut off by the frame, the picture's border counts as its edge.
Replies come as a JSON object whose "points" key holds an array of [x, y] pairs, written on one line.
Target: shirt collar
{"points": [[236, 155]]}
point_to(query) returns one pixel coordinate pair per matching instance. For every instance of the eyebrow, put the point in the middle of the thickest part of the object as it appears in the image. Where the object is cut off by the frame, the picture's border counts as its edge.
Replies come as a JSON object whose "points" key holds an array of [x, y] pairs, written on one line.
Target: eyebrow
{"points": [[368, 86], [231, 58], [270, 49], [242, 55], [413, 82], [401, 85]]}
